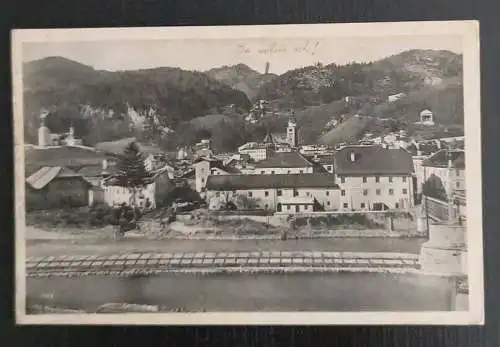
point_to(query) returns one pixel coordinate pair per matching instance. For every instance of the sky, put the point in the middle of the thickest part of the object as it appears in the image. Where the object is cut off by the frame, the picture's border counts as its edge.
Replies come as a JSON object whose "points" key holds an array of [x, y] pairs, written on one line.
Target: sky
{"points": [[194, 54]]}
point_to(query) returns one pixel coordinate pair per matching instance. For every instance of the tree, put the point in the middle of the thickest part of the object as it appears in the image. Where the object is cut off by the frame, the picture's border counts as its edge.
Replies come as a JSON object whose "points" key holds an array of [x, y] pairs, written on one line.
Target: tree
{"points": [[133, 175], [434, 188]]}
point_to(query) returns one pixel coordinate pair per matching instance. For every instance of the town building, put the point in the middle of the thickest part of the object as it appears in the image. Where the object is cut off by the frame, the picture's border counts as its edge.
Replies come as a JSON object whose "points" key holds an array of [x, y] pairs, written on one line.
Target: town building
{"points": [[284, 163], [256, 151], [374, 178], [284, 193], [154, 157], [449, 166], [207, 166], [56, 187], [152, 195]]}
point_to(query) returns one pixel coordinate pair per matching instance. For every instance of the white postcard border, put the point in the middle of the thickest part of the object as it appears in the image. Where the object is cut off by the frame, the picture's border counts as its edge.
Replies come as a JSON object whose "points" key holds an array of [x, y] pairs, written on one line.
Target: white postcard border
{"points": [[472, 118]]}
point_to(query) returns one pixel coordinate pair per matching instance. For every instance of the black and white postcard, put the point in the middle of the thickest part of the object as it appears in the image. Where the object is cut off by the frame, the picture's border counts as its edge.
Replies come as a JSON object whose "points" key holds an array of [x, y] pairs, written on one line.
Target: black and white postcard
{"points": [[281, 174]]}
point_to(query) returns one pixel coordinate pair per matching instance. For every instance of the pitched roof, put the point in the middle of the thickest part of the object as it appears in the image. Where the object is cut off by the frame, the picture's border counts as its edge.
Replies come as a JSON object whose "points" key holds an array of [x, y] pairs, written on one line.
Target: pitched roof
{"points": [[373, 160], [440, 159], [234, 182], [118, 146], [284, 159], [96, 170], [46, 174], [68, 156]]}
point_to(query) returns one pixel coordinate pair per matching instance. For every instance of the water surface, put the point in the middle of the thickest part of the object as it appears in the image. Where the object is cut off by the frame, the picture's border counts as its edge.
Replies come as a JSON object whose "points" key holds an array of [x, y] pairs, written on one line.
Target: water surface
{"points": [[251, 292]]}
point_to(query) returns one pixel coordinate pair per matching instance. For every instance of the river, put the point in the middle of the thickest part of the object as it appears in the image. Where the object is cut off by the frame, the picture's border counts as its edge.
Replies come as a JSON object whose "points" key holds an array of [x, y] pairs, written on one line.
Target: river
{"points": [[251, 292], [103, 247]]}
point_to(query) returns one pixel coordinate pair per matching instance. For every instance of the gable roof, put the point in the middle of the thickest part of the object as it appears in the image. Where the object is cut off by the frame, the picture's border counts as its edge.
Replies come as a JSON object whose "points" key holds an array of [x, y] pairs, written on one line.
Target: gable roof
{"points": [[68, 156], [118, 146], [373, 160], [242, 182], [440, 159], [46, 174], [285, 160]]}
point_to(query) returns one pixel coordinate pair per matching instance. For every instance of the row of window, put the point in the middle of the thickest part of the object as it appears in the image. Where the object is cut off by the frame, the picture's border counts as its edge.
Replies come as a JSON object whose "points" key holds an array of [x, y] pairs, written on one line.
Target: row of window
{"points": [[377, 179], [279, 192], [377, 191], [274, 172]]}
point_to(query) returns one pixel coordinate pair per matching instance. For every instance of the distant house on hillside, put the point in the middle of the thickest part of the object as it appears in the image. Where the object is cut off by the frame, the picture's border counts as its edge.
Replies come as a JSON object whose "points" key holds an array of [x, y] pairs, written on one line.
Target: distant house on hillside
{"points": [[395, 97], [55, 187], [426, 117]]}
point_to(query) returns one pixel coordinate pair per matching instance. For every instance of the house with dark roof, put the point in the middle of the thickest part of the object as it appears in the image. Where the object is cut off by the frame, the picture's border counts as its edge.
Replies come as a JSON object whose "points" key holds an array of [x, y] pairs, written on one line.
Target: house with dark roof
{"points": [[282, 193], [284, 163], [374, 178], [57, 186]]}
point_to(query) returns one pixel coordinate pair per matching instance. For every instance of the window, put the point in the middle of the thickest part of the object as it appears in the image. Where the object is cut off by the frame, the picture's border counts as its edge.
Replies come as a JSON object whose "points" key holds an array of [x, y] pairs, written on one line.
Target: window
{"points": [[279, 192], [458, 184], [288, 207], [327, 193], [342, 192], [217, 194], [363, 205], [346, 205], [266, 193], [396, 205], [307, 193], [305, 207], [262, 172], [377, 191], [328, 203], [289, 171], [250, 194], [202, 180], [404, 179], [457, 172], [377, 179], [405, 191], [342, 179], [272, 172], [390, 179], [267, 206], [295, 192], [364, 179], [391, 191], [365, 192], [301, 171]]}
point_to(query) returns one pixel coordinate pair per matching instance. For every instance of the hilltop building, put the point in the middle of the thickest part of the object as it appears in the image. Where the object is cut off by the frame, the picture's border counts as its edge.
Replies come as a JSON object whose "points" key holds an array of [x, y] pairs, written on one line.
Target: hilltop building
{"points": [[374, 178], [426, 117]]}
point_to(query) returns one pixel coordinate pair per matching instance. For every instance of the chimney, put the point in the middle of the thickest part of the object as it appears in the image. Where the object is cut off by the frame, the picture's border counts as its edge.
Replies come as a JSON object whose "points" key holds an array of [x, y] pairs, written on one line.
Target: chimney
{"points": [[353, 157]]}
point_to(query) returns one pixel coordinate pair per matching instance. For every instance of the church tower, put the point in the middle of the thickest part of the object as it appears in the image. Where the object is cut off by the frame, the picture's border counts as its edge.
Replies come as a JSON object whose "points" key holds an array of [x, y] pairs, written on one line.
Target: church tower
{"points": [[43, 131], [292, 133]]}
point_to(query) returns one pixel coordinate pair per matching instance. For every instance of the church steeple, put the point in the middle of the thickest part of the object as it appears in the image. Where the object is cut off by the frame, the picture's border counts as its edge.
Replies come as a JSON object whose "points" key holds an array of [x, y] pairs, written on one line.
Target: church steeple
{"points": [[292, 134]]}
